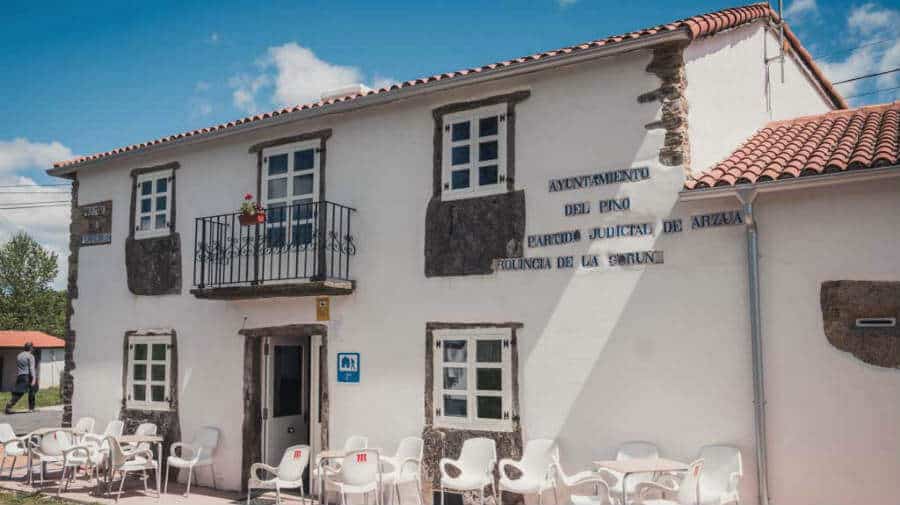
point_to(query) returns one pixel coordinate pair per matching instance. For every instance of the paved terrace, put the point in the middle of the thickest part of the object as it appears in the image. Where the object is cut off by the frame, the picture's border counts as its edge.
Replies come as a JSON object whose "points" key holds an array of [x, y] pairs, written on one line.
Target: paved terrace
{"points": [[83, 491]]}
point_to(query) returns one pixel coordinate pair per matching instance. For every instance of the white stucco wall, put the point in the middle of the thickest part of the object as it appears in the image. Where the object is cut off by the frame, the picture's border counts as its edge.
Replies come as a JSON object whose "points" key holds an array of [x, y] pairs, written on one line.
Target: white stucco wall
{"points": [[833, 419], [660, 353], [731, 93], [51, 366]]}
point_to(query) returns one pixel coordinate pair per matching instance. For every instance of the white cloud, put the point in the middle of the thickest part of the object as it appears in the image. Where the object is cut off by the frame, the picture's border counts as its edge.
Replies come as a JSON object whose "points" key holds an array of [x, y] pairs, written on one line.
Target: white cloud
{"points": [[870, 17], [246, 89], [48, 225], [293, 74], [874, 30], [201, 86], [566, 3], [20, 154], [301, 76], [799, 8]]}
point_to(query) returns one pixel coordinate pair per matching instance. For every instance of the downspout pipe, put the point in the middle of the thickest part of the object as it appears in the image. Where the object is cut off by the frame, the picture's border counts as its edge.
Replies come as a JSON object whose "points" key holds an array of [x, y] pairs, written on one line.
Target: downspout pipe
{"points": [[759, 386]]}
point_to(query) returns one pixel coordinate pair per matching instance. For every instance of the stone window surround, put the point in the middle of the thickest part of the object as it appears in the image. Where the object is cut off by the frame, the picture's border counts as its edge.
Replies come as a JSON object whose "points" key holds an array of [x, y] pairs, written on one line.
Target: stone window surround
{"points": [[511, 100], [167, 420], [321, 135], [440, 442], [505, 366], [149, 338], [173, 166]]}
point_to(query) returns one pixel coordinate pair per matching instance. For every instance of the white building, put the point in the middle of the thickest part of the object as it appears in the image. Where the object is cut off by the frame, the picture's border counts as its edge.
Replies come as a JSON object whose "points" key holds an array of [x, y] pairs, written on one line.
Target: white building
{"points": [[544, 220]]}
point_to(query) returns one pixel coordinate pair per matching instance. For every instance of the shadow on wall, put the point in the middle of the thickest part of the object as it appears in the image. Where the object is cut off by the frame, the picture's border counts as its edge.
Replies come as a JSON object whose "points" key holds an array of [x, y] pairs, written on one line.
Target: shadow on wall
{"points": [[663, 355]]}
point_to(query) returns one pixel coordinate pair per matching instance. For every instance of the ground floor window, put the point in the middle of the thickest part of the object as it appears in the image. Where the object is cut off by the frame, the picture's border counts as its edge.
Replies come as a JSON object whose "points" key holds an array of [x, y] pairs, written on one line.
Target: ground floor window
{"points": [[472, 378], [149, 372]]}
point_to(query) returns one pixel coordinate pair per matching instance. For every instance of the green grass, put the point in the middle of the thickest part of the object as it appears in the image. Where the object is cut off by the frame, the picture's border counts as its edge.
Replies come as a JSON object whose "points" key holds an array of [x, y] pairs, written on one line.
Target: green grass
{"points": [[8, 498], [45, 398]]}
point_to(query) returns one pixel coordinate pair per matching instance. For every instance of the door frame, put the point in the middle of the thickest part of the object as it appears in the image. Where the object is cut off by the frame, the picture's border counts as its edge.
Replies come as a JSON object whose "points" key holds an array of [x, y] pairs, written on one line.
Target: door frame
{"points": [[252, 436]]}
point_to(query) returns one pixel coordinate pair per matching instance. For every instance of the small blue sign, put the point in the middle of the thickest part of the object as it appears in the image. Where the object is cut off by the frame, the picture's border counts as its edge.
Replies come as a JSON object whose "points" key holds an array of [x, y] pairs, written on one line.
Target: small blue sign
{"points": [[348, 367]]}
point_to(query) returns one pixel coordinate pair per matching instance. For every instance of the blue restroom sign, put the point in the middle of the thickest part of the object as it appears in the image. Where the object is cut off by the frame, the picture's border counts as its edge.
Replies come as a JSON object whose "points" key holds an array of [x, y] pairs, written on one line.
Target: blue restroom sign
{"points": [[348, 367]]}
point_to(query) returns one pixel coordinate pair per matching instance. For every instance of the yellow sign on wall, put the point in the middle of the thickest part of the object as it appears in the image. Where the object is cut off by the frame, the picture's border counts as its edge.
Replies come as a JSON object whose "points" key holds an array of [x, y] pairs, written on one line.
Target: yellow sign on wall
{"points": [[323, 308]]}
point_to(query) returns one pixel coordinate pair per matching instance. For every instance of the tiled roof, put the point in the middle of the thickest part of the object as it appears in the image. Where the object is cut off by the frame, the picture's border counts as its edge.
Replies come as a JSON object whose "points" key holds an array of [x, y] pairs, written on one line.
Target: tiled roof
{"points": [[838, 141], [699, 26], [16, 338]]}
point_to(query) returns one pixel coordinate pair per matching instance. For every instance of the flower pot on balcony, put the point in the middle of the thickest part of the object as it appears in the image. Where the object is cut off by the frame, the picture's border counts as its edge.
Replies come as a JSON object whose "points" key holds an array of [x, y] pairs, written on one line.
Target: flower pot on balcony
{"points": [[252, 219]]}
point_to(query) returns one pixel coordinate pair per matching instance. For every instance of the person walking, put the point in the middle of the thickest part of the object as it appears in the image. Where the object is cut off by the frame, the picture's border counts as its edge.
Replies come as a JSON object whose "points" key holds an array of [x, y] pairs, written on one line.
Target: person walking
{"points": [[26, 379]]}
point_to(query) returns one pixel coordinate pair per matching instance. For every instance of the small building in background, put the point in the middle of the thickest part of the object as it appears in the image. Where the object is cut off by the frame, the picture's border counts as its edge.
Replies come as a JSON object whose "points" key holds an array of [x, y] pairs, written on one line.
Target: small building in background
{"points": [[49, 353]]}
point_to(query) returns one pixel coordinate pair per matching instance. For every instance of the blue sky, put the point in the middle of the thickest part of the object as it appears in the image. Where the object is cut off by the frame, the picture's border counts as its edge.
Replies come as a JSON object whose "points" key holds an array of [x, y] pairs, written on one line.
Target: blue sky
{"points": [[83, 77]]}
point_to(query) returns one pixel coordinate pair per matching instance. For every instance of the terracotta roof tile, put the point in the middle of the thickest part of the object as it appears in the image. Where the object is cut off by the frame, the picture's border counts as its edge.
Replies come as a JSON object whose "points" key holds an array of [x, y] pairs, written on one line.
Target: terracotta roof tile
{"points": [[17, 338], [867, 137], [699, 26]]}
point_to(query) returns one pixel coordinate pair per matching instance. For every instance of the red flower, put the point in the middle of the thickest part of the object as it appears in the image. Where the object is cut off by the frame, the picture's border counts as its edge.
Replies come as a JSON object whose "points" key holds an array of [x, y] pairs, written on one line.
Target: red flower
{"points": [[248, 196]]}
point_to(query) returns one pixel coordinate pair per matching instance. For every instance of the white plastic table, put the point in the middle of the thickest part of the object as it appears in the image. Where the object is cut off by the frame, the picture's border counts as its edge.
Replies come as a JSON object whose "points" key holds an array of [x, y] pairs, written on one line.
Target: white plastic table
{"points": [[627, 467]]}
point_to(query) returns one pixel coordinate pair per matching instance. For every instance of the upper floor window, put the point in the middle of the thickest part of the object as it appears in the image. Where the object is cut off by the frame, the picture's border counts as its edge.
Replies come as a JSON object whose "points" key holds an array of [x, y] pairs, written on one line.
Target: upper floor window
{"points": [[290, 187], [149, 372], [474, 152], [473, 379], [153, 204]]}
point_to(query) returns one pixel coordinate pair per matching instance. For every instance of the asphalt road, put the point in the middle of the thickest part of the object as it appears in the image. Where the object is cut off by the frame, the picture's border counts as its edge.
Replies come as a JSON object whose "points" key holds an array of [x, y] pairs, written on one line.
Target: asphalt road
{"points": [[24, 422]]}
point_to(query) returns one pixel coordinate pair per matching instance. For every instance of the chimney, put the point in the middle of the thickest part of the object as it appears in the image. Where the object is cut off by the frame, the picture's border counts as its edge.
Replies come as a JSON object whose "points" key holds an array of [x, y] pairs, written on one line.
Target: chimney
{"points": [[353, 89]]}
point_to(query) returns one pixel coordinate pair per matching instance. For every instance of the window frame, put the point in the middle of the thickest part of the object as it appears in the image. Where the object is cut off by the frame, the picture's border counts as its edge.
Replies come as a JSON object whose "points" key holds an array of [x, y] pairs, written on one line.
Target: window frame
{"points": [[153, 177], [288, 149], [148, 403], [500, 110], [472, 421]]}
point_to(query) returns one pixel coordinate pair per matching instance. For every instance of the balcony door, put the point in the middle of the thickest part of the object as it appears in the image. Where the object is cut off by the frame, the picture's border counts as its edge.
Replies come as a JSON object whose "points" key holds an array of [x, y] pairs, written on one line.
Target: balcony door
{"points": [[290, 187]]}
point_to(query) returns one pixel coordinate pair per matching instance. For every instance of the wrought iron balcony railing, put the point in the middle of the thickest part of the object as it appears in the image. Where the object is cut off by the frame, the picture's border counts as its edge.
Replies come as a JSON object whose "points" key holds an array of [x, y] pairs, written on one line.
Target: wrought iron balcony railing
{"points": [[305, 241]]}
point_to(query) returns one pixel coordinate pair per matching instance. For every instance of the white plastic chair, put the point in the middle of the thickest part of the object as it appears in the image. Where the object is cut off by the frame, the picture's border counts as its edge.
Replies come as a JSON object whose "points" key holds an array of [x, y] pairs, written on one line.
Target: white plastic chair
{"points": [[114, 428], [360, 474], [476, 468], [535, 467], [200, 452], [403, 468], [90, 456], [145, 429], [288, 474], [600, 494], [353, 443], [137, 461], [13, 447], [82, 427], [49, 449], [718, 484], [686, 491], [632, 450]]}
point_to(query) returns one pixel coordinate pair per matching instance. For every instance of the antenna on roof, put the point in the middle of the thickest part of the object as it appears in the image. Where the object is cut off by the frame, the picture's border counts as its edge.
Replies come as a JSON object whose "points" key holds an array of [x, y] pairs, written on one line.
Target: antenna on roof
{"points": [[781, 36]]}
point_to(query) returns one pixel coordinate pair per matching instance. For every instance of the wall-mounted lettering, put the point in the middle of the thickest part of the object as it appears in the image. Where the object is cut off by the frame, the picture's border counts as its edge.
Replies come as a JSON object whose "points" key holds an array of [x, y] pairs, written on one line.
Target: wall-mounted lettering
{"points": [[726, 218], [577, 209], [635, 174], [565, 262], [614, 205], [558, 238], [621, 230], [511, 264], [672, 226], [636, 258]]}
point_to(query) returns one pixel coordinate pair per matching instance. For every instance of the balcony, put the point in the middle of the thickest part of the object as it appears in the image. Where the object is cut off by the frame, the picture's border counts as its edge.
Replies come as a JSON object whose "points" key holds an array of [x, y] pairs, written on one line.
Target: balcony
{"points": [[303, 249]]}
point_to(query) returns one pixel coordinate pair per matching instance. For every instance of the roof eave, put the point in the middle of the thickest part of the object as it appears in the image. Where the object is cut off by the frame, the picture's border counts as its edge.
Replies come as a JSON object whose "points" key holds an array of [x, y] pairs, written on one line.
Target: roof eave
{"points": [[680, 35], [803, 182]]}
